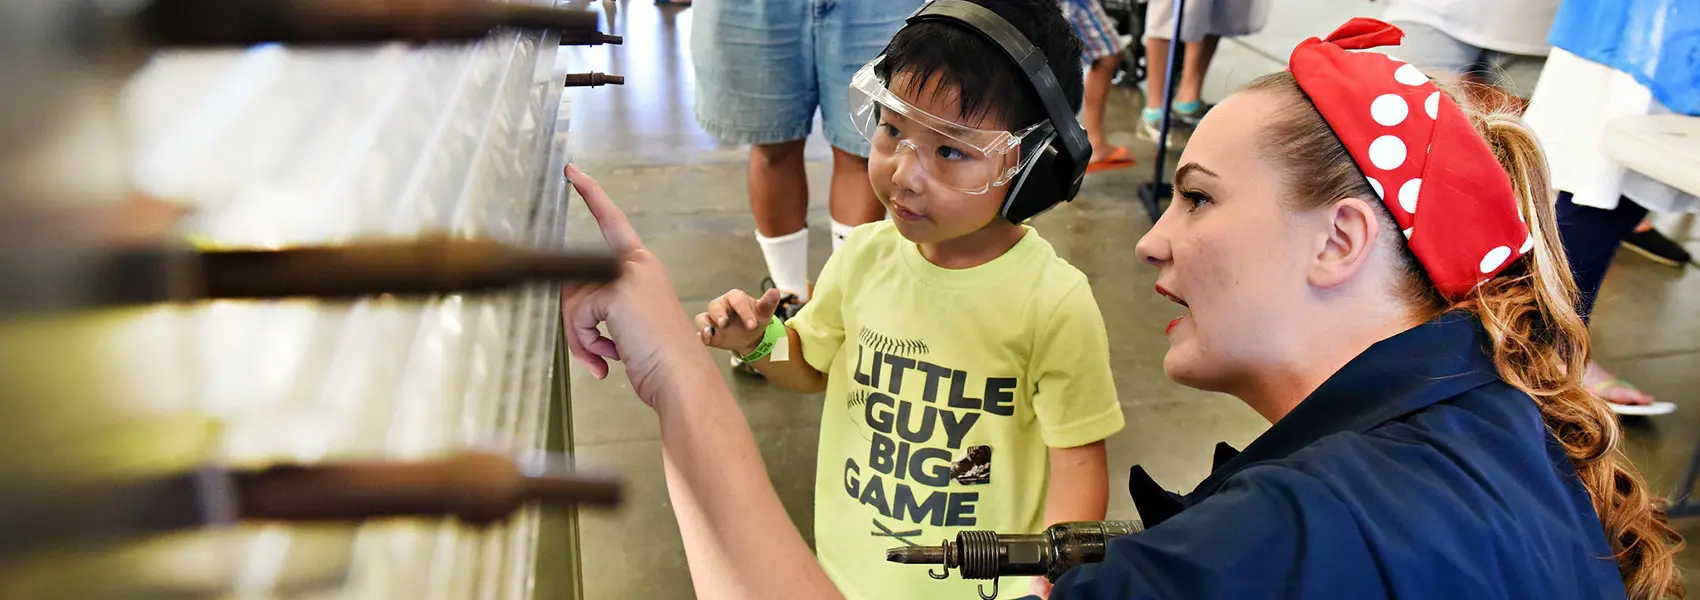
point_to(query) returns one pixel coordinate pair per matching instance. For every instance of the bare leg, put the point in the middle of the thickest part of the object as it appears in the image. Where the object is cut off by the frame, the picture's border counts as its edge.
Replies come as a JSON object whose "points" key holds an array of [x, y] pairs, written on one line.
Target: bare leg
{"points": [[1156, 71], [1600, 382], [1097, 96], [852, 201], [1194, 65], [779, 188]]}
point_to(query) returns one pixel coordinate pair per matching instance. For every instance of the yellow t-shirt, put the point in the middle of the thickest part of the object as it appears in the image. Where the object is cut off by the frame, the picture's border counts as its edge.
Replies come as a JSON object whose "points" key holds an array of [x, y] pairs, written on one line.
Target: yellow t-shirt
{"points": [[945, 389]]}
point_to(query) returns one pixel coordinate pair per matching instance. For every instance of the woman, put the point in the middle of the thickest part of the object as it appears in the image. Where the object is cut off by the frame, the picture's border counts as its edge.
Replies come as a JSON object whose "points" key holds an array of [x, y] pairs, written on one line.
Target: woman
{"points": [[1430, 437]]}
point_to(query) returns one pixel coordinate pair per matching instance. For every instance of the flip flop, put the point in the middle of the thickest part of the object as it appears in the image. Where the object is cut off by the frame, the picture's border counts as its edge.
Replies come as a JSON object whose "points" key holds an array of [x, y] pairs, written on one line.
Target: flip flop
{"points": [[1118, 158], [1599, 390], [1657, 408]]}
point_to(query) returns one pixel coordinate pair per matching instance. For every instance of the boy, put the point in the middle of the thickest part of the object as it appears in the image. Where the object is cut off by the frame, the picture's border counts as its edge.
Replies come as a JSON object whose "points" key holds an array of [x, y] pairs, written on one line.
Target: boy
{"points": [[965, 364]]}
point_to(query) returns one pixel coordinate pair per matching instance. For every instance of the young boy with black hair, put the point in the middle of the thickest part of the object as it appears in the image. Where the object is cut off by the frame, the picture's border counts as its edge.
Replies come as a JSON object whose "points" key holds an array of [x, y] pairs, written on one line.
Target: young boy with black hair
{"points": [[966, 365]]}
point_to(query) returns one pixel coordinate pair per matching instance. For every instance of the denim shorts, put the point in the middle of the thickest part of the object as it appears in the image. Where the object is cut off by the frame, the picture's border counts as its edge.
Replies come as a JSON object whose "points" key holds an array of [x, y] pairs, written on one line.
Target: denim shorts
{"points": [[764, 66]]}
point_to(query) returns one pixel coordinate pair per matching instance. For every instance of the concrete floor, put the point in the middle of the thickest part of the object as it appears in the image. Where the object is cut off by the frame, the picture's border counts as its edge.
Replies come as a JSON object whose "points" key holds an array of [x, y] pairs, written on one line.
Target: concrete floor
{"points": [[687, 196]]}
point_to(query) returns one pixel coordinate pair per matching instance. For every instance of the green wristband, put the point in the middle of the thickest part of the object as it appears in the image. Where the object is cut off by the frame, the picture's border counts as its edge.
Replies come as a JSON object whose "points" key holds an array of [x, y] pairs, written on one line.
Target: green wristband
{"points": [[775, 333]]}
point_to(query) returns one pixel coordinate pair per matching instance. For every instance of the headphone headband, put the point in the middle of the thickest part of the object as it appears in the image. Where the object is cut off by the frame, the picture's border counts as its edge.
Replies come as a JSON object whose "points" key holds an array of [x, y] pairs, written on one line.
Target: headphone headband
{"points": [[994, 29]]}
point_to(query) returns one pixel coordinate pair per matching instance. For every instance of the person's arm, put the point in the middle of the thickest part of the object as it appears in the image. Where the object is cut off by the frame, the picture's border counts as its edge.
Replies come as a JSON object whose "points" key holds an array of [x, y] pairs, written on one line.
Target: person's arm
{"points": [[738, 540], [737, 323], [1075, 401], [1080, 484], [793, 374], [1079, 491]]}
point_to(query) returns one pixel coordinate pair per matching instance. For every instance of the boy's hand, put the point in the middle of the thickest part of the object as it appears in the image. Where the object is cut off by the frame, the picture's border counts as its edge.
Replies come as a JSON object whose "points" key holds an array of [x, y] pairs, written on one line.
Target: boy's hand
{"points": [[737, 322]]}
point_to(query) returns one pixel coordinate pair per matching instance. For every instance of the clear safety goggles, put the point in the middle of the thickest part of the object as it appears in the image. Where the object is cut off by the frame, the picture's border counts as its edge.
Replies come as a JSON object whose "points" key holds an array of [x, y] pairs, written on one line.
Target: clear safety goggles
{"points": [[961, 158]]}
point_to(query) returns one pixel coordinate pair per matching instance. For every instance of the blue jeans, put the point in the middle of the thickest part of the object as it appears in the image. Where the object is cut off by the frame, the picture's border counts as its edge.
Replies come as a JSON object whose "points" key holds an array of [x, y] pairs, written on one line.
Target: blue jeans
{"points": [[764, 66], [1591, 236]]}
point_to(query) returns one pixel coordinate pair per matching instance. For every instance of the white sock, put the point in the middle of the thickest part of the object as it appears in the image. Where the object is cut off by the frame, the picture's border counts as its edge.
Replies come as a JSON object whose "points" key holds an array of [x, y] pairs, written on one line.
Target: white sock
{"points": [[788, 261], [840, 232]]}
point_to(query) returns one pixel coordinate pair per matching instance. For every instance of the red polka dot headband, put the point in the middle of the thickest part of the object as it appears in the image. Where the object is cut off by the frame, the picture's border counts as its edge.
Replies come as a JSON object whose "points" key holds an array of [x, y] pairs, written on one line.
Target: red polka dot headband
{"points": [[1420, 153]]}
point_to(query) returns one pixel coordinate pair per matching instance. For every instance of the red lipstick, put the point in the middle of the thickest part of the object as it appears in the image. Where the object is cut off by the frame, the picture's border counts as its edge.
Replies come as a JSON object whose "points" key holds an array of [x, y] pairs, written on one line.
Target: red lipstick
{"points": [[1177, 300]]}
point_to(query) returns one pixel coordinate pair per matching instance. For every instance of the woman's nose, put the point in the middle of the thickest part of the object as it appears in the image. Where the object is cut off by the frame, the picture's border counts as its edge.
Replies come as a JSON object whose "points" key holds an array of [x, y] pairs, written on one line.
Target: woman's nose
{"points": [[1153, 247]]}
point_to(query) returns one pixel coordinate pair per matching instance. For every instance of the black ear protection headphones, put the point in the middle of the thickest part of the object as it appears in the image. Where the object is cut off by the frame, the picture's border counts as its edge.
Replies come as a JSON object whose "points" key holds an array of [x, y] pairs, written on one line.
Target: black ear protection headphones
{"points": [[1054, 175]]}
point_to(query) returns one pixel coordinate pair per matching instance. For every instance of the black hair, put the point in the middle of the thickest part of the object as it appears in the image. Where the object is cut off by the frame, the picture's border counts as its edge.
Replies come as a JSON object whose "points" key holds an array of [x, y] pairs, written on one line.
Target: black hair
{"points": [[946, 56]]}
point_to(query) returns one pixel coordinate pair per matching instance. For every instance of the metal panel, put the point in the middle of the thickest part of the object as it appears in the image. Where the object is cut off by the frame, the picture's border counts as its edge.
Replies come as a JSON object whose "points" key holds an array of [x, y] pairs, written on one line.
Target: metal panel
{"points": [[270, 147]]}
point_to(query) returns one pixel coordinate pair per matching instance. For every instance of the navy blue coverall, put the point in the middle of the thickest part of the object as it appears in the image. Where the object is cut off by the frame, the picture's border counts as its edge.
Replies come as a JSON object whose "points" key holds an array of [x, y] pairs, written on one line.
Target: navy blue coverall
{"points": [[1414, 472]]}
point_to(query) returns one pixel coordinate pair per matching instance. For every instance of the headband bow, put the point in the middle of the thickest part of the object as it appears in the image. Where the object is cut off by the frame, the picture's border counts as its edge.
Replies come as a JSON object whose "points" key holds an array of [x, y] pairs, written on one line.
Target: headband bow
{"points": [[1420, 153]]}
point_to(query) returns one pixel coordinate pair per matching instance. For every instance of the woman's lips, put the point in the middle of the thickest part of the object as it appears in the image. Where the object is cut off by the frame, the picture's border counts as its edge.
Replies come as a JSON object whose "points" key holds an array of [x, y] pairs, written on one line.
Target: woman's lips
{"points": [[1164, 292]]}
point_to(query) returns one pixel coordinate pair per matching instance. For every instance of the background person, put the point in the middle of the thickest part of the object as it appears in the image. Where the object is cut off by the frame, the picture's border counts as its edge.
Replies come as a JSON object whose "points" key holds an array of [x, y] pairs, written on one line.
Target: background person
{"points": [[763, 67], [1103, 46], [1602, 205], [1501, 49], [1204, 25]]}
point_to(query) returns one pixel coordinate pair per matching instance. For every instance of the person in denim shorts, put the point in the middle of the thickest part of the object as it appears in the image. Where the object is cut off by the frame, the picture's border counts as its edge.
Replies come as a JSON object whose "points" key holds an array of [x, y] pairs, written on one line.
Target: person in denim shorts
{"points": [[762, 68]]}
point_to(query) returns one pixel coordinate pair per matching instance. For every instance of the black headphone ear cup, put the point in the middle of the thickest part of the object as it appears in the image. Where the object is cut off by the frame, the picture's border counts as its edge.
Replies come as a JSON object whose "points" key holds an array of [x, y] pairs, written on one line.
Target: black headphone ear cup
{"points": [[1069, 173], [1050, 179]]}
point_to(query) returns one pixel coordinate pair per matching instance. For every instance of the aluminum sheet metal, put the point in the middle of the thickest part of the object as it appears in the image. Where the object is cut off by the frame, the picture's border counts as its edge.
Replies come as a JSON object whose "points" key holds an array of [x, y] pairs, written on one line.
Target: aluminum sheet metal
{"points": [[269, 147]]}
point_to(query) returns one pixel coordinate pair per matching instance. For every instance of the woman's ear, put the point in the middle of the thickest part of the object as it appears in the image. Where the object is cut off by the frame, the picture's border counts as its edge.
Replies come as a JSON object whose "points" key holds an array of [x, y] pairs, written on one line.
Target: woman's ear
{"points": [[1350, 230]]}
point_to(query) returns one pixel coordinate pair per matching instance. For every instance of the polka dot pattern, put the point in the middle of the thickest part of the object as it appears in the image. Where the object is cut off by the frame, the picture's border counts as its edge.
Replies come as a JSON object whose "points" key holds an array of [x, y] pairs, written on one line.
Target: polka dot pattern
{"points": [[1387, 153], [1495, 259], [1408, 195], [1389, 109], [1418, 152], [1410, 75], [1528, 244]]}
